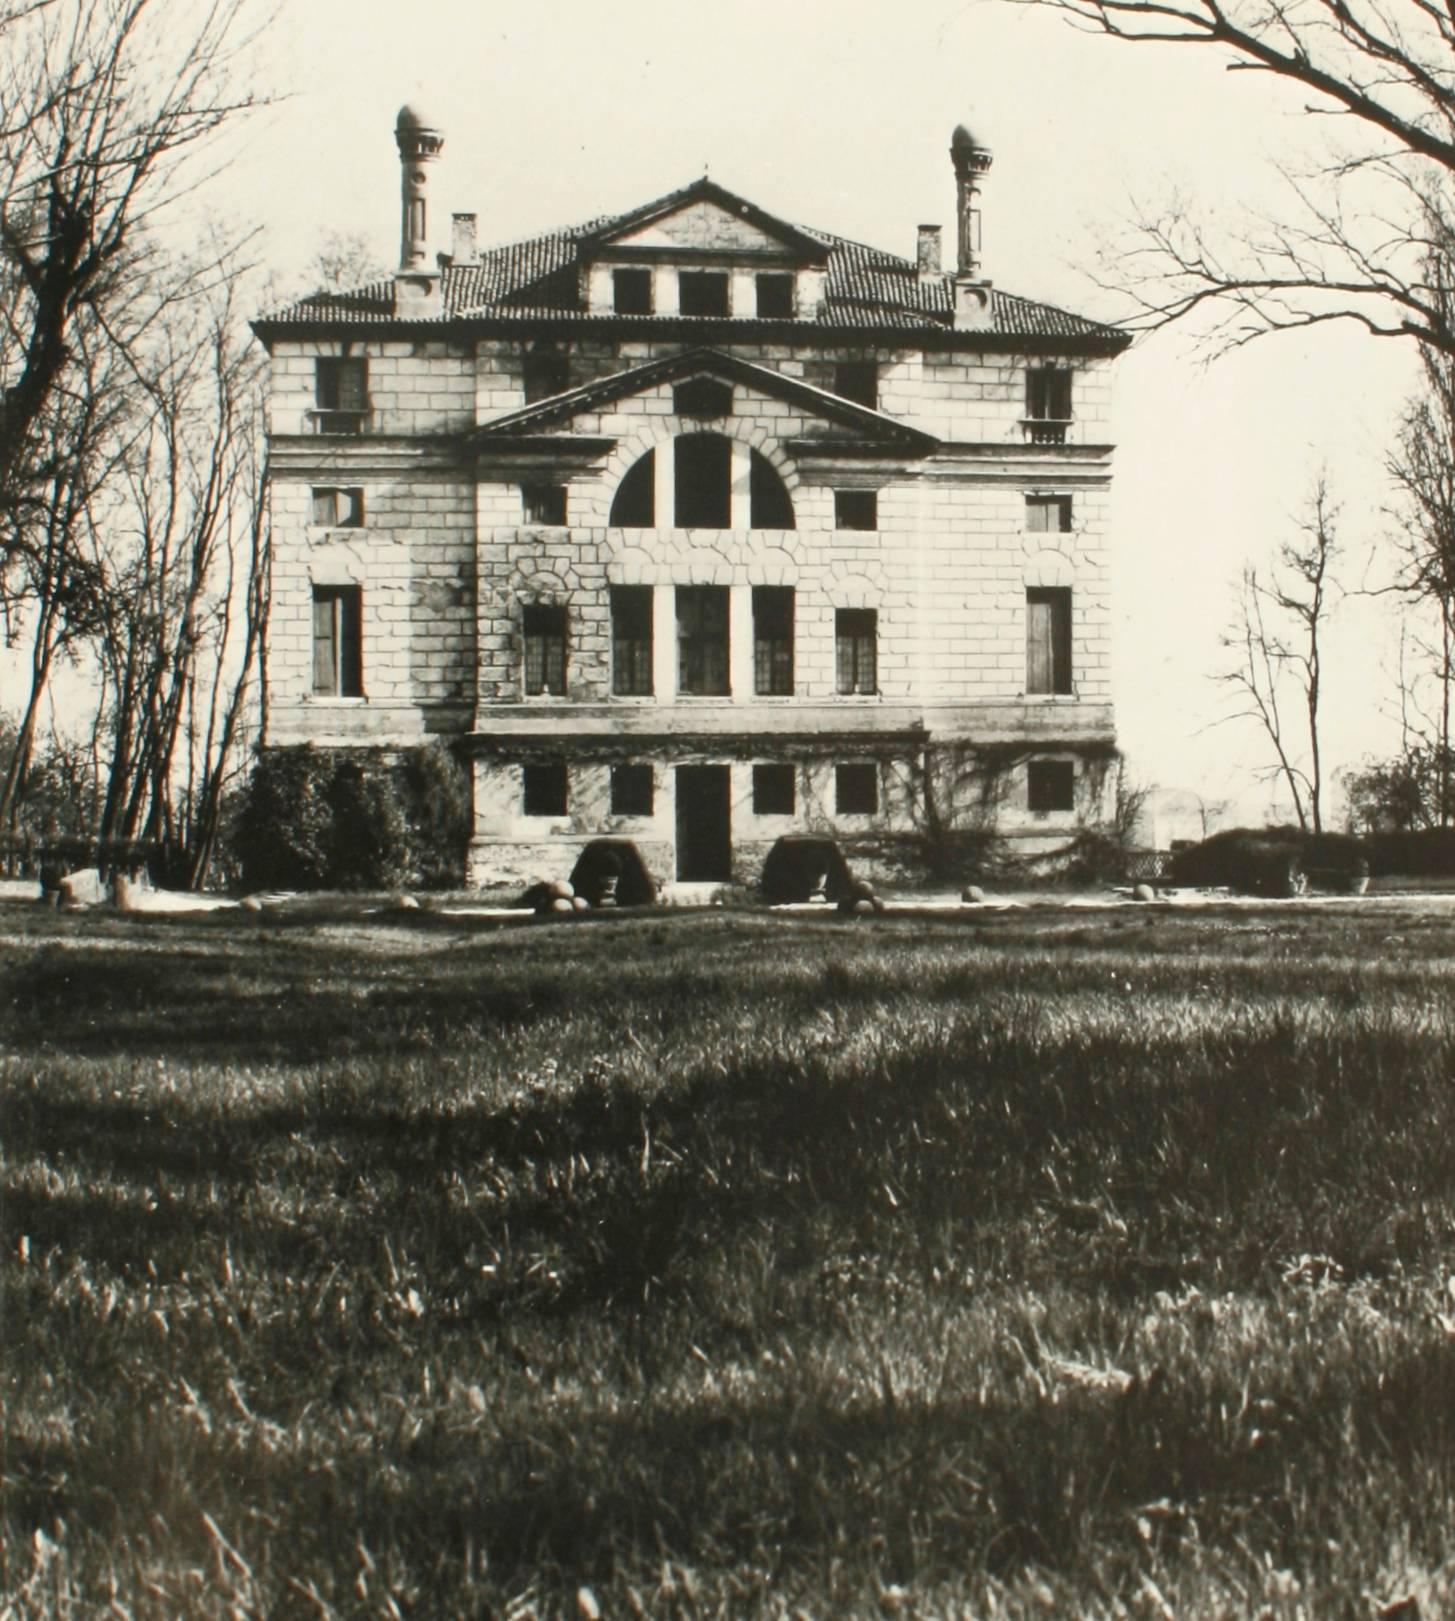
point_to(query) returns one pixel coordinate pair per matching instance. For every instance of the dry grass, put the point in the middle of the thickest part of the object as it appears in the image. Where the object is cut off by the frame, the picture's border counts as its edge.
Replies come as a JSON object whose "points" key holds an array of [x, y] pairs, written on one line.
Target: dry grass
{"points": [[729, 1265]]}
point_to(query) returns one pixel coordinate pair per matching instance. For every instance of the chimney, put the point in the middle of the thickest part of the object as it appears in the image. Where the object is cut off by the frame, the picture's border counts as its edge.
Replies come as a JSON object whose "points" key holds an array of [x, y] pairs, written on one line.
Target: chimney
{"points": [[420, 142], [971, 160], [464, 249], [928, 253]]}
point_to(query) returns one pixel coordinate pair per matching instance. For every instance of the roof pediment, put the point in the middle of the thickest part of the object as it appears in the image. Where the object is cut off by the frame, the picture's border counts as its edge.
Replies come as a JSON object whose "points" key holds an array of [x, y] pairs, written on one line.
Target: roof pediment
{"points": [[829, 415], [704, 218]]}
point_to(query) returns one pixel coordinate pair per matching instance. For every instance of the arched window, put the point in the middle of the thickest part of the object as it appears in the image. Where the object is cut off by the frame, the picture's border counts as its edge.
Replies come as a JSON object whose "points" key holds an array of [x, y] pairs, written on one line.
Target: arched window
{"points": [[702, 495]]}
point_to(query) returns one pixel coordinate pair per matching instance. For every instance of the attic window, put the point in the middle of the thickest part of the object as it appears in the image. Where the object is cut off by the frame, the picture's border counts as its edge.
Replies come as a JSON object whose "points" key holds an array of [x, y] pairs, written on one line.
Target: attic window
{"points": [[702, 397], [632, 292], [702, 292], [858, 380], [856, 509], [775, 297], [544, 503], [547, 371]]}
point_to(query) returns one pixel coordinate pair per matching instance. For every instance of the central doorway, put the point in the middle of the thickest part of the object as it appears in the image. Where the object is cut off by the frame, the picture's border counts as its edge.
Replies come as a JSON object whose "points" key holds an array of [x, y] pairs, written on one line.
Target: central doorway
{"points": [[704, 824]]}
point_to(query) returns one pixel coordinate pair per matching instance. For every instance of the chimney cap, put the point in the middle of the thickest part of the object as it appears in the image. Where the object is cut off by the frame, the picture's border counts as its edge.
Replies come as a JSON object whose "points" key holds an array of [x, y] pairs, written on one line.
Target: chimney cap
{"points": [[411, 118], [963, 141]]}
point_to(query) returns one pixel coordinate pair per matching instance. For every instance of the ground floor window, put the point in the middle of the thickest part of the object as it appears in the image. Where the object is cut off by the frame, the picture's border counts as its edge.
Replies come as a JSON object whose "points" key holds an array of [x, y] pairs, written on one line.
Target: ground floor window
{"points": [[702, 640], [856, 789], [773, 790], [544, 783], [338, 670], [631, 790], [1051, 785]]}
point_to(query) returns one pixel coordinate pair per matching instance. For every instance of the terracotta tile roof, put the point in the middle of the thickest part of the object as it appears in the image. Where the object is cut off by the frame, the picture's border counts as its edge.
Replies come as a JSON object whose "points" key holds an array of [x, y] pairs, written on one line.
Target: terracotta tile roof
{"points": [[866, 288]]}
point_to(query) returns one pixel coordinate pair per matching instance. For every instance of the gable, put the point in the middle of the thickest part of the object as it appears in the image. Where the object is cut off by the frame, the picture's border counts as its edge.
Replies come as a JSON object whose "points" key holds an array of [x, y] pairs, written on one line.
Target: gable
{"points": [[702, 227]]}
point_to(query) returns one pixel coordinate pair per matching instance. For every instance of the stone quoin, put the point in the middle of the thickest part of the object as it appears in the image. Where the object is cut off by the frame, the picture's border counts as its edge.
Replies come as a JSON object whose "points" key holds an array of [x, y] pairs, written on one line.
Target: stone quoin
{"points": [[700, 527]]}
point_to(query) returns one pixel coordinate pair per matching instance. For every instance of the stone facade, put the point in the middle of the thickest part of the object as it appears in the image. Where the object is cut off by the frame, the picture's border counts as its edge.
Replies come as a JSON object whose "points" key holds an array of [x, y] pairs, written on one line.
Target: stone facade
{"points": [[448, 453]]}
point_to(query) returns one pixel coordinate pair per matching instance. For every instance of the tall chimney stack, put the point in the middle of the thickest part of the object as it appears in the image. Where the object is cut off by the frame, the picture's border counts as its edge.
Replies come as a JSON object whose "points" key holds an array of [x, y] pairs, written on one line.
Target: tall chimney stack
{"points": [[464, 247], [928, 253], [971, 160], [420, 142]]}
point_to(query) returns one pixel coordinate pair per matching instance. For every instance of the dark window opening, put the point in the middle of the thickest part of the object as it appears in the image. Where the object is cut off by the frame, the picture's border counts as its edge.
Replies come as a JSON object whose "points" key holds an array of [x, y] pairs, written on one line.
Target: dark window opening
{"points": [[856, 509], [769, 504], [856, 638], [634, 505], [631, 790], [547, 371], [773, 641], [631, 641], [339, 508], [703, 397], [858, 380], [1048, 404], [775, 297], [856, 790], [1048, 514], [341, 392], [544, 625], [773, 790], [1050, 785], [704, 463], [631, 292], [544, 784], [1048, 640], [544, 503], [702, 641], [702, 292], [338, 670]]}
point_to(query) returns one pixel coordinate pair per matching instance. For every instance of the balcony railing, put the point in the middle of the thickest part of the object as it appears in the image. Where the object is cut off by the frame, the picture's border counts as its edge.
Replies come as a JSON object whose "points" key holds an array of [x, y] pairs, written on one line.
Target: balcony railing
{"points": [[337, 422], [1045, 430]]}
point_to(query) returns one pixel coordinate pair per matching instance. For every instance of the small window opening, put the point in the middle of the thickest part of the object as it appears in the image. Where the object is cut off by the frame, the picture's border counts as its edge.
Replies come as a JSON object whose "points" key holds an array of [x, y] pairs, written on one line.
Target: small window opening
{"points": [[856, 509], [337, 641], [773, 790], [544, 503], [856, 789], [775, 297], [544, 785], [858, 380], [773, 641], [1050, 785], [544, 626], [631, 790], [1048, 514], [631, 641], [702, 292], [634, 505], [341, 392], [856, 637], [339, 508], [703, 397], [546, 371], [632, 292], [1048, 404]]}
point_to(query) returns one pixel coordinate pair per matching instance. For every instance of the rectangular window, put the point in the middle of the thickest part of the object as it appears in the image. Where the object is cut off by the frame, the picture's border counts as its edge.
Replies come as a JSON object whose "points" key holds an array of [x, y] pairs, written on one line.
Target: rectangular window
{"points": [[773, 641], [856, 509], [704, 467], [773, 790], [856, 639], [775, 297], [341, 393], [702, 292], [338, 508], [631, 641], [1048, 404], [632, 292], [1048, 514], [544, 785], [544, 503], [856, 789], [858, 380], [631, 790], [1048, 640], [546, 371], [337, 641], [702, 641], [1050, 785], [544, 625]]}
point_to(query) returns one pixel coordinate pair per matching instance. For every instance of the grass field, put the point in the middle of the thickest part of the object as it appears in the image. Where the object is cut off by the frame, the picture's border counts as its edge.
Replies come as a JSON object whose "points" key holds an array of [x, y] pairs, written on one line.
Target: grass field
{"points": [[730, 1264]]}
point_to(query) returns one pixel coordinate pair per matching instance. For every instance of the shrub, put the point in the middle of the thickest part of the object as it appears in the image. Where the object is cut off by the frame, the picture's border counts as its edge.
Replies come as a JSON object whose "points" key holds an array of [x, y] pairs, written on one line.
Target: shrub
{"points": [[1419, 853], [283, 831], [368, 845], [1271, 861], [436, 798]]}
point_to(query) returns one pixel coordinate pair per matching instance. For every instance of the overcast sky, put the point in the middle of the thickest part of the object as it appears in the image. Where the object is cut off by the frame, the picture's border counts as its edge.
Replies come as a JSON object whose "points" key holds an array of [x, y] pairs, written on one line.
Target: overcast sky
{"points": [[837, 114]]}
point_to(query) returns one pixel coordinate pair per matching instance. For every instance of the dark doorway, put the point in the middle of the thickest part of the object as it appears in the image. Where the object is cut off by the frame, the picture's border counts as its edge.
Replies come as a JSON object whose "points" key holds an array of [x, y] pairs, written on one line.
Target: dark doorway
{"points": [[704, 824]]}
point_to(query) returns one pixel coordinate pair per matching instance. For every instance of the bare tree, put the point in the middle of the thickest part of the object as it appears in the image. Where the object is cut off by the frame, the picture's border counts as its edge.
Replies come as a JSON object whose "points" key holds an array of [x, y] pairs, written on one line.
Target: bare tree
{"points": [[1275, 643], [1355, 240]]}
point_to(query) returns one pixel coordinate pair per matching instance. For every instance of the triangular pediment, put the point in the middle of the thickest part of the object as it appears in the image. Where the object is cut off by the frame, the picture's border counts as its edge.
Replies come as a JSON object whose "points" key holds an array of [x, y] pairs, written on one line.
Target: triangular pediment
{"points": [[825, 415], [705, 218]]}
